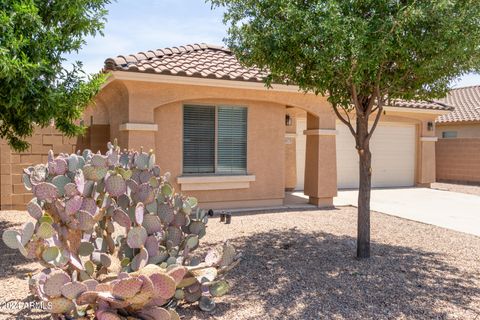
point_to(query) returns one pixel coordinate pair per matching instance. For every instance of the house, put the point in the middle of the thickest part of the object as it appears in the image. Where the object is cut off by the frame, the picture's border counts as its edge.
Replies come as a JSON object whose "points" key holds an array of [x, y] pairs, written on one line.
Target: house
{"points": [[230, 141], [458, 148]]}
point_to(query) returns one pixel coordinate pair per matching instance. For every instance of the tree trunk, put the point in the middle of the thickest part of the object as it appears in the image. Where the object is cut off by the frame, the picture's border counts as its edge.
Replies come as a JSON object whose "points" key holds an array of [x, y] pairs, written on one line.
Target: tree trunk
{"points": [[365, 173]]}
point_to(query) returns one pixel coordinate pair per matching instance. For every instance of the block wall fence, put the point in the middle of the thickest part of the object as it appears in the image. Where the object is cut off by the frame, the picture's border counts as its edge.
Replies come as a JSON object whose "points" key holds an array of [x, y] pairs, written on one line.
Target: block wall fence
{"points": [[458, 160], [13, 195]]}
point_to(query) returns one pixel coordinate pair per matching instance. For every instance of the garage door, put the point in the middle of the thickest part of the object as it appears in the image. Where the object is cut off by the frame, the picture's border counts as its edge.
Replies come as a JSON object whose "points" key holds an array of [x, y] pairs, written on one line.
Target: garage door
{"points": [[393, 156]]}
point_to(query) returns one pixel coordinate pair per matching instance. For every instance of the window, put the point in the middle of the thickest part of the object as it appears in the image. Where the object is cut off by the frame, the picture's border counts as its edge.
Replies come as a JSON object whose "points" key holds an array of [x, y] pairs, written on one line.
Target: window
{"points": [[214, 140], [449, 134]]}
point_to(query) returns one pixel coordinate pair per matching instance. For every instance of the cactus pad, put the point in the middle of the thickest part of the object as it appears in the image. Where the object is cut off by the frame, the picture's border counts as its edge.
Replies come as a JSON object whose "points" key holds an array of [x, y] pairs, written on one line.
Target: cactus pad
{"points": [[27, 183], [61, 305], [91, 284], [99, 161], [198, 228], [152, 223], [34, 209], [151, 244], [219, 288], [89, 205], [140, 260], [136, 237], [94, 173], [206, 304], [54, 283], [27, 232], [127, 288], [73, 205], [85, 248], [144, 194], [85, 220], [72, 290], [141, 161], [12, 239], [120, 217], [45, 230], [164, 285], [61, 166], [70, 189], [156, 313], [45, 191], [50, 254], [87, 297], [60, 182], [205, 275], [175, 235], [177, 273], [115, 185], [39, 174], [139, 213], [166, 213]]}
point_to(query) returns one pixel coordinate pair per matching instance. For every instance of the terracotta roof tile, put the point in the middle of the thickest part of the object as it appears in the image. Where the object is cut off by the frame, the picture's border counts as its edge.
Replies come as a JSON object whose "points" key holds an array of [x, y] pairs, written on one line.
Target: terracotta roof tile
{"points": [[211, 62], [467, 105]]}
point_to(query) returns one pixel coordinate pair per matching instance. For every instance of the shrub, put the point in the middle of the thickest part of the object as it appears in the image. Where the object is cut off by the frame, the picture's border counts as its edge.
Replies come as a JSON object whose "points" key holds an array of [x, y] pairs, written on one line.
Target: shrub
{"points": [[115, 239]]}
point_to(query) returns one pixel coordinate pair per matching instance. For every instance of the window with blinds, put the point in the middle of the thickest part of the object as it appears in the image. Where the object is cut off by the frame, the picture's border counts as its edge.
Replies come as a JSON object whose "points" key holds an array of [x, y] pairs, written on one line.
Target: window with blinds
{"points": [[214, 140], [198, 139]]}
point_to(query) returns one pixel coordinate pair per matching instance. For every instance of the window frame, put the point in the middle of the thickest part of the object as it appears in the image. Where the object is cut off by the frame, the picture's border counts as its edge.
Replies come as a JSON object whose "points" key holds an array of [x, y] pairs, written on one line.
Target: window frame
{"points": [[215, 173], [447, 132]]}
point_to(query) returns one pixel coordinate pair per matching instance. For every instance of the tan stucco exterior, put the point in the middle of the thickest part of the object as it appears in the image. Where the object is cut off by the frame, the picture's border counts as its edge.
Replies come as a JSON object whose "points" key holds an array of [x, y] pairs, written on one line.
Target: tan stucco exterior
{"points": [[143, 111], [463, 130]]}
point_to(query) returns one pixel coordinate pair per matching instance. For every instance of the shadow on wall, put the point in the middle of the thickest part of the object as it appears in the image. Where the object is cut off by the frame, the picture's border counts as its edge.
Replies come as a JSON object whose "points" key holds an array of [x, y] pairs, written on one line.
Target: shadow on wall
{"points": [[294, 275], [96, 138]]}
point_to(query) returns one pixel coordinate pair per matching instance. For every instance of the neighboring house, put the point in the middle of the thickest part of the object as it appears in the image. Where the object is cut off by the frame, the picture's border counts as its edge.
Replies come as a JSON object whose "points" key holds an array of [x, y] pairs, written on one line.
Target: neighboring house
{"points": [[231, 142], [458, 148]]}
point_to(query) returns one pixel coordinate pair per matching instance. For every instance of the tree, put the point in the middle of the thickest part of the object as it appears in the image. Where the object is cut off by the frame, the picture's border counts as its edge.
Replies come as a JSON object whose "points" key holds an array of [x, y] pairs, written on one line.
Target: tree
{"points": [[35, 87], [361, 54]]}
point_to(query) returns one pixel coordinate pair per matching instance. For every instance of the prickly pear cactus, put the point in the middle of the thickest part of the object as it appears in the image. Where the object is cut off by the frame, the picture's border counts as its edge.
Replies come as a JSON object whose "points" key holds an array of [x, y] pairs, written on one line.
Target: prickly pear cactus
{"points": [[115, 239]]}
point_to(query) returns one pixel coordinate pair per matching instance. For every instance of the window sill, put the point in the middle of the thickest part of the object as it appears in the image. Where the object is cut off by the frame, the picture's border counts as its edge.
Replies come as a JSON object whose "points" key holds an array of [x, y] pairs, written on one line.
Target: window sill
{"points": [[189, 183]]}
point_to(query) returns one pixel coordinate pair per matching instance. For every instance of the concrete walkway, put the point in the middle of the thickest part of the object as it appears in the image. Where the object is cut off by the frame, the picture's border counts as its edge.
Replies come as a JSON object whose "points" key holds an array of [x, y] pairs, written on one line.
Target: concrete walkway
{"points": [[456, 211]]}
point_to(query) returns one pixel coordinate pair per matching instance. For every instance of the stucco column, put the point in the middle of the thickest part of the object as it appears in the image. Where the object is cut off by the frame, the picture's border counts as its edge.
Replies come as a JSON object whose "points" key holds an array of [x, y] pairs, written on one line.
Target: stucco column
{"points": [[320, 160], [140, 135], [426, 152]]}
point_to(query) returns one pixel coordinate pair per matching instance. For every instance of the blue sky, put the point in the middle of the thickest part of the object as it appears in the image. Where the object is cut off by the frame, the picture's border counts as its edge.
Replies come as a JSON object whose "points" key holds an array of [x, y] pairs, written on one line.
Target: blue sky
{"points": [[140, 25]]}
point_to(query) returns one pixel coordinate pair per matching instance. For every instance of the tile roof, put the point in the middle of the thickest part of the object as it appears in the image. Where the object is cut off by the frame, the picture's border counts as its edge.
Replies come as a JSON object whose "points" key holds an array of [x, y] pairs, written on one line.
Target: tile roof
{"points": [[196, 60], [213, 62], [430, 105], [467, 105]]}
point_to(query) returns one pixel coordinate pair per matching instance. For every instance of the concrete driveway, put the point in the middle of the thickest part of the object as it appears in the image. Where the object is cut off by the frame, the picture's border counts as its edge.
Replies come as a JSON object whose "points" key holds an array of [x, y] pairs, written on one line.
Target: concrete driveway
{"points": [[456, 211]]}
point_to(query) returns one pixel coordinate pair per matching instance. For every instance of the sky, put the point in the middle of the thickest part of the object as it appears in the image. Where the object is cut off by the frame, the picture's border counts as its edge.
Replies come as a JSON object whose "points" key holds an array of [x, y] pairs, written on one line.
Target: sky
{"points": [[141, 25]]}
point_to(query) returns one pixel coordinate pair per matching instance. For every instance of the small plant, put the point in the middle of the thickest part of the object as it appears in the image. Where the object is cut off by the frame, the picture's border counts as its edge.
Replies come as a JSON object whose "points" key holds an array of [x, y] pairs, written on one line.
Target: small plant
{"points": [[115, 239]]}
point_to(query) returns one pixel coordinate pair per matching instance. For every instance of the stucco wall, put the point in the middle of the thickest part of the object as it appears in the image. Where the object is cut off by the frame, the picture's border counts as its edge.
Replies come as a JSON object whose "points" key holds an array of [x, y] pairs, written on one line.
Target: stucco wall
{"points": [[466, 130], [265, 150], [458, 160]]}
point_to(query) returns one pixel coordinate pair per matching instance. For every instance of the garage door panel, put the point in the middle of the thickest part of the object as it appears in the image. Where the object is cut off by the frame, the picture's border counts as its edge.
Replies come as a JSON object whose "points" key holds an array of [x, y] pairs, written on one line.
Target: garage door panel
{"points": [[393, 157]]}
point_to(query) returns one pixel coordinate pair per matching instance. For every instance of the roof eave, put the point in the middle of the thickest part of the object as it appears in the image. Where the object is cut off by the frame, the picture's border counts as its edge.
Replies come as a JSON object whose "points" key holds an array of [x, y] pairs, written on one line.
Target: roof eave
{"points": [[188, 80]]}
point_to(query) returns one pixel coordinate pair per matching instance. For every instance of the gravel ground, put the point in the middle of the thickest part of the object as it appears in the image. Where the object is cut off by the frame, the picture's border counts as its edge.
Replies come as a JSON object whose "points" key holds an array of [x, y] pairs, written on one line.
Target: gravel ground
{"points": [[301, 265], [462, 188]]}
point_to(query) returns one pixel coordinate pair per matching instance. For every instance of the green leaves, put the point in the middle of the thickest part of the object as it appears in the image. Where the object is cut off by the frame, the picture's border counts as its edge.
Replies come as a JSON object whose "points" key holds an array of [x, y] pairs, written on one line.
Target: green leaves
{"points": [[405, 49], [35, 88]]}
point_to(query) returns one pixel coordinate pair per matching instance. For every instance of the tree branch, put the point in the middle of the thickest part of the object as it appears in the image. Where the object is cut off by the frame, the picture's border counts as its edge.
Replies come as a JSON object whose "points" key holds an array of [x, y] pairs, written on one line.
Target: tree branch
{"points": [[347, 123], [377, 118]]}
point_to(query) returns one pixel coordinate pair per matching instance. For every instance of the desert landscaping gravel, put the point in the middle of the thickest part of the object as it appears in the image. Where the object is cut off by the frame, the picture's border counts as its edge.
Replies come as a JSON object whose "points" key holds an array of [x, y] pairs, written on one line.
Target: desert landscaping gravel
{"points": [[301, 265], [462, 188]]}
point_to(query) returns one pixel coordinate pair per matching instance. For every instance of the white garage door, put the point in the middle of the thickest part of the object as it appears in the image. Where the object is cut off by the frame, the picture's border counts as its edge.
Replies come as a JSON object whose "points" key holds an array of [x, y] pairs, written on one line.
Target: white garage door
{"points": [[393, 156]]}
